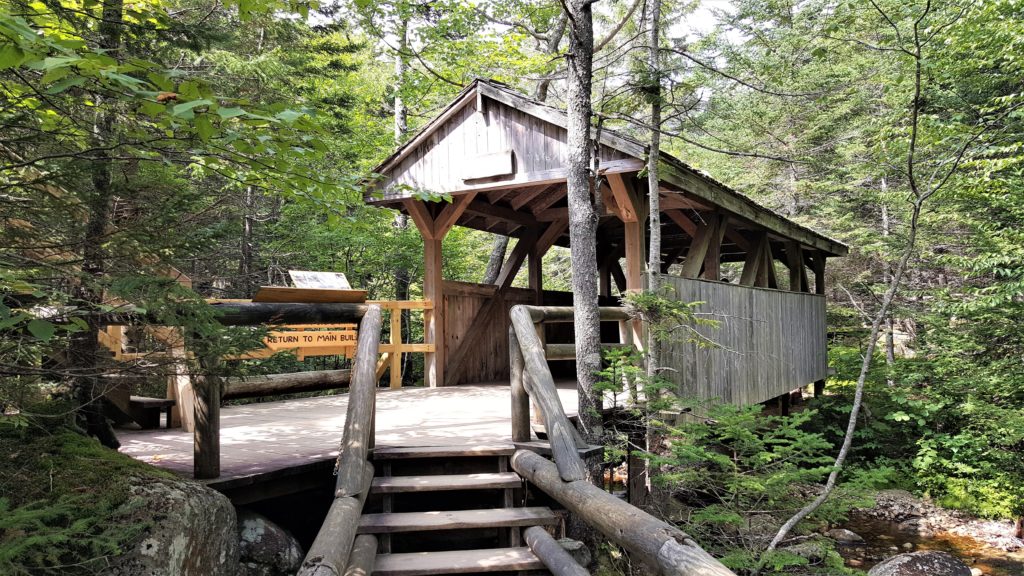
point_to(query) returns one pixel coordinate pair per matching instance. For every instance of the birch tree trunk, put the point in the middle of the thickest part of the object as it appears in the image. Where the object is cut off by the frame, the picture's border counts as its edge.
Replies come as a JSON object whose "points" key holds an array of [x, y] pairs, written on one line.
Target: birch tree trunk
{"points": [[653, 16], [402, 275]]}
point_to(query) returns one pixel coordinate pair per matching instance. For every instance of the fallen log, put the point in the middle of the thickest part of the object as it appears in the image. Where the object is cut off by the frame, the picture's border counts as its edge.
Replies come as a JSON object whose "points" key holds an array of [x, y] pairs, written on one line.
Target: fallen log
{"points": [[269, 385]]}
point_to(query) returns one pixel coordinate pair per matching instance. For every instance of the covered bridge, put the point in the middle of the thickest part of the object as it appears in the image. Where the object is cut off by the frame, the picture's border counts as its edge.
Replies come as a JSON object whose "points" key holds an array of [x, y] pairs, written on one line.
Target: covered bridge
{"points": [[501, 156]]}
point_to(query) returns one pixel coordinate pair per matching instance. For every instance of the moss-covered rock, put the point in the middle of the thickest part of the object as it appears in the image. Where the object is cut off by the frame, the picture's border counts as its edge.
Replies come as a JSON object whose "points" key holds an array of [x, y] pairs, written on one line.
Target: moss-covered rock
{"points": [[70, 506]]}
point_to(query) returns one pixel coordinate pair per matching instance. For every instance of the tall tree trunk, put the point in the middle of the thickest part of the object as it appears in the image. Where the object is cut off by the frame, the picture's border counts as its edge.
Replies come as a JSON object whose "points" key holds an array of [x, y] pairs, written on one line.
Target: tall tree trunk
{"points": [[555, 35], [402, 275], [247, 252], [583, 216], [890, 340], [84, 349], [653, 17], [497, 258]]}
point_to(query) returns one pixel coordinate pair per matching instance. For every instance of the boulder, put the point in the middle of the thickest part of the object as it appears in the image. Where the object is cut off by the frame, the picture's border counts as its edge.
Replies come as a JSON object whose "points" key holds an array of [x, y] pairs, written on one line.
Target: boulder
{"points": [[189, 530], [925, 563], [814, 551], [844, 536], [264, 548]]}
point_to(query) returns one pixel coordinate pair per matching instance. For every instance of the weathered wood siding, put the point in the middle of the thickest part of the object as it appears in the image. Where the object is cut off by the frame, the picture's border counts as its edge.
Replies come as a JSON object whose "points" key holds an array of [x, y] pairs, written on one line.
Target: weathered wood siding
{"points": [[438, 164], [768, 342], [488, 360]]}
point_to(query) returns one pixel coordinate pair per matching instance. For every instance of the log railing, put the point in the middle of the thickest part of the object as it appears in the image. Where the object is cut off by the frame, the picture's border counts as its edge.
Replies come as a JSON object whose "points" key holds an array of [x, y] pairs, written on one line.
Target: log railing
{"points": [[531, 379], [662, 547], [336, 546]]}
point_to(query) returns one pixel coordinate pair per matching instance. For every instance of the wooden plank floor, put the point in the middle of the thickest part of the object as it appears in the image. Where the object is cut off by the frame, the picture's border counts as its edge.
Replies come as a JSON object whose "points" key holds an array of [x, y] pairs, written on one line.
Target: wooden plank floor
{"points": [[264, 438]]}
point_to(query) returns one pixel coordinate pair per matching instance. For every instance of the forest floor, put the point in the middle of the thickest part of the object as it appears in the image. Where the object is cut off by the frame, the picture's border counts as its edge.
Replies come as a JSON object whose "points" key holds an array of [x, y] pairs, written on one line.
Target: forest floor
{"points": [[900, 521]]}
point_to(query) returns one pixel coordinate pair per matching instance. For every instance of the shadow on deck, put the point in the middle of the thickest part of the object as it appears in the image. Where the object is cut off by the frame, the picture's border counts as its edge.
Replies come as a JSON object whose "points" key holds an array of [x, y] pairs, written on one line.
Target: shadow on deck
{"points": [[272, 441]]}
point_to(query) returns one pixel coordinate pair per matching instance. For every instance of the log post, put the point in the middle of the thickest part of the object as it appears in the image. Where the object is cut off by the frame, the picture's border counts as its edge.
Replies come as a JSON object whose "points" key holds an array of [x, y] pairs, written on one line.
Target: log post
{"points": [[396, 356], [364, 556], [659, 545], [551, 553], [206, 436], [520, 399], [563, 437], [330, 552], [433, 319]]}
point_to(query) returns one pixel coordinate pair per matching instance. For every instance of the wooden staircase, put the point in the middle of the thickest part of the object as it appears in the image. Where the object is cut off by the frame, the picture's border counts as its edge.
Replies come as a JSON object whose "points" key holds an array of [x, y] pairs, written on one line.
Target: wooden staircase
{"points": [[450, 510]]}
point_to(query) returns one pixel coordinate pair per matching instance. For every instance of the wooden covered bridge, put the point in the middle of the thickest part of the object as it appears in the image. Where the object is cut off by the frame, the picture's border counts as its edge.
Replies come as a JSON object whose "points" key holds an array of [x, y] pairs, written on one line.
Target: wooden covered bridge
{"points": [[501, 157], [450, 478]]}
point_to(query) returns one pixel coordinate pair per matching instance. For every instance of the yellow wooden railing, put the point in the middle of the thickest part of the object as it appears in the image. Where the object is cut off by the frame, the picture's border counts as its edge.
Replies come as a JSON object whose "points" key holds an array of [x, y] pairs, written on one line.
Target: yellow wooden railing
{"points": [[340, 340]]}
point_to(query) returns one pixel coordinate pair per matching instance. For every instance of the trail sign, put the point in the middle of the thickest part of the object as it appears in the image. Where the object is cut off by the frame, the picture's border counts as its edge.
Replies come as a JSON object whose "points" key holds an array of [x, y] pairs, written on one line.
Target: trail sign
{"points": [[323, 280]]}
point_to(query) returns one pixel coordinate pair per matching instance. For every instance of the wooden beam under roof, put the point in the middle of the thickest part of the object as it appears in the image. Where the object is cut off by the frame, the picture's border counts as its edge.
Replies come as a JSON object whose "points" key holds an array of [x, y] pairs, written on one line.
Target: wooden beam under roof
{"points": [[500, 212], [701, 187]]}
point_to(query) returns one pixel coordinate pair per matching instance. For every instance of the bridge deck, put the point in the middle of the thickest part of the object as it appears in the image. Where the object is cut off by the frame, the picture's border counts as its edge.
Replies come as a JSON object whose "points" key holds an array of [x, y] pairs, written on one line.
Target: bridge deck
{"points": [[262, 439]]}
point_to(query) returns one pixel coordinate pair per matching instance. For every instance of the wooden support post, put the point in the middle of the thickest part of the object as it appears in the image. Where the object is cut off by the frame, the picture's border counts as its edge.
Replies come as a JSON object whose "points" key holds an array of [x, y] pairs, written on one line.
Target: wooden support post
{"points": [[536, 270], [713, 256], [206, 437], [784, 404], [396, 357], [604, 281], [433, 319], [819, 388], [795, 263], [520, 399], [819, 273], [754, 259], [769, 267]]}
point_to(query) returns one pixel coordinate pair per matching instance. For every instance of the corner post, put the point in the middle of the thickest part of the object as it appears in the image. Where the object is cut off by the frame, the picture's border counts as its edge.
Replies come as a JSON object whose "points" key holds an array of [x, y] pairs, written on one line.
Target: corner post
{"points": [[819, 288]]}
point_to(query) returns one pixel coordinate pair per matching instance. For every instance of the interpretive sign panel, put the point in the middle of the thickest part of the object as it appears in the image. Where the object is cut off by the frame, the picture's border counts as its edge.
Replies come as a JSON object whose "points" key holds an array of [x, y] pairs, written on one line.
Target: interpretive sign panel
{"points": [[323, 280]]}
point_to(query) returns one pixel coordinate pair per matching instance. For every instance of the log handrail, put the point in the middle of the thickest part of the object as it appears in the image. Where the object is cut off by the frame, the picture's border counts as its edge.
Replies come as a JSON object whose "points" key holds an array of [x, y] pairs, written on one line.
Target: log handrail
{"points": [[530, 372], [331, 551], [664, 548], [661, 546]]}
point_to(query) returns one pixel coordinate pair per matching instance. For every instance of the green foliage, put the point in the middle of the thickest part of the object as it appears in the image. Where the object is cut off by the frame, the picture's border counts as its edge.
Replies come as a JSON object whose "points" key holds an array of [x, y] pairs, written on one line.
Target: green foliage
{"points": [[64, 497]]}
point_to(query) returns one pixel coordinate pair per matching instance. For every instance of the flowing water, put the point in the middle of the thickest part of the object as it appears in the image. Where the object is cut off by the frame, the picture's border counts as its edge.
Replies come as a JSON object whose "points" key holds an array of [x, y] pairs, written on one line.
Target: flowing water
{"points": [[884, 539]]}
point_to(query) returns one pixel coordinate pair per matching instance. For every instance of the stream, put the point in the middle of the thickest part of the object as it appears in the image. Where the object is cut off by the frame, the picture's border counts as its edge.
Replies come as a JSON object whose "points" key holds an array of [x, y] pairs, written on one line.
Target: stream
{"points": [[884, 539]]}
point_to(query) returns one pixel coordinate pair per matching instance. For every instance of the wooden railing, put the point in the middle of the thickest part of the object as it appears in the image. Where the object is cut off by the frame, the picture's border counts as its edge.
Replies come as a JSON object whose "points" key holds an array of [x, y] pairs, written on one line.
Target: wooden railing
{"points": [[391, 353], [659, 545], [336, 544], [766, 342]]}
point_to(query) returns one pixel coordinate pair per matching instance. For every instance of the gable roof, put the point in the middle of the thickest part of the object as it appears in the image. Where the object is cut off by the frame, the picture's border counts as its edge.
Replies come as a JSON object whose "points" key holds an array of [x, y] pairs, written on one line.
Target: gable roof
{"points": [[619, 153]]}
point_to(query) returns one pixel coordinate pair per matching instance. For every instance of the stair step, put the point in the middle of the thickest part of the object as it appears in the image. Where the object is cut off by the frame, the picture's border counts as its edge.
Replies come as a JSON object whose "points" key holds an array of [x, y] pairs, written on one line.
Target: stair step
{"points": [[442, 482], [404, 452], [457, 562], [390, 522], [543, 447]]}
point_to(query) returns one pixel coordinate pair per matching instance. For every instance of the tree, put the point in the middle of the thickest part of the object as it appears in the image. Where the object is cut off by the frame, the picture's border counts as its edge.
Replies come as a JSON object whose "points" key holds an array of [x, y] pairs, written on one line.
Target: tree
{"points": [[580, 181]]}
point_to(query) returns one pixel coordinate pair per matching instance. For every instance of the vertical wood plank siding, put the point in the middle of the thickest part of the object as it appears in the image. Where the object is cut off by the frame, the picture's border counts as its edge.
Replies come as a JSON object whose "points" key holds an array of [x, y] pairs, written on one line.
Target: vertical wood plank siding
{"points": [[488, 360], [437, 164], [768, 342]]}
